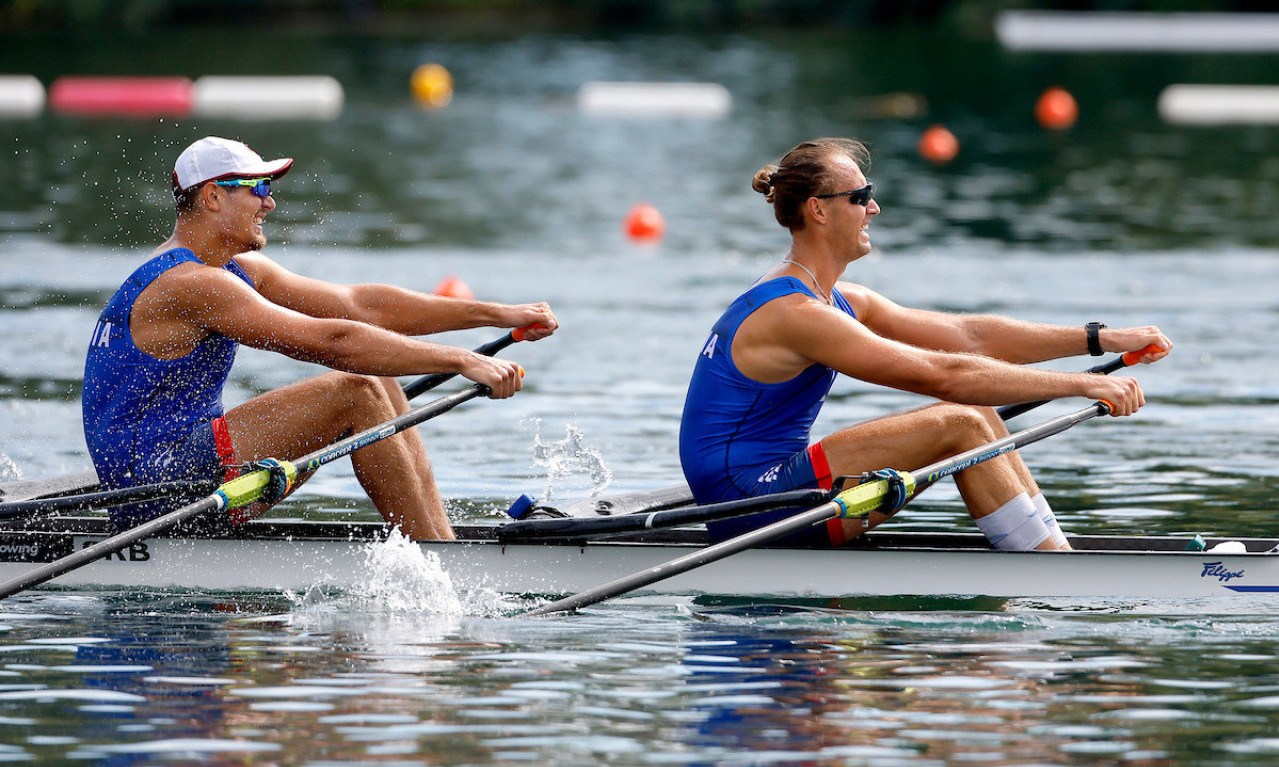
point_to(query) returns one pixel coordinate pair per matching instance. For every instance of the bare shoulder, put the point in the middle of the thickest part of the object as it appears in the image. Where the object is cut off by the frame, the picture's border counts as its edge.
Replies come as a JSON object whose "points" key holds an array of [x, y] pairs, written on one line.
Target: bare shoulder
{"points": [[788, 334], [859, 297], [866, 303], [196, 284], [798, 319], [259, 268]]}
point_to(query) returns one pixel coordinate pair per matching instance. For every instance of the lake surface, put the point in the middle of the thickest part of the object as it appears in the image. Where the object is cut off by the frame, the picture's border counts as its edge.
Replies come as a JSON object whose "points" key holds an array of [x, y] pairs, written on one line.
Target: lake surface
{"points": [[1123, 220]]}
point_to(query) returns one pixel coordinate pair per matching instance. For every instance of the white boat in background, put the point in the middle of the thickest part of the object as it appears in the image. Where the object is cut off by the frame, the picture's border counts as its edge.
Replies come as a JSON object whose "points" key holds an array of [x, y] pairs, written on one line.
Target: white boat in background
{"points": [[1030, 30]]}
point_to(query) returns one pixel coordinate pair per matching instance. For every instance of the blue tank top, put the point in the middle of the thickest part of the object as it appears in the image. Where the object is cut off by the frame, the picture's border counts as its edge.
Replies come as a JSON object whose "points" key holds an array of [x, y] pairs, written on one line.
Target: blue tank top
{"points": [[732, 423], [133, 402]]}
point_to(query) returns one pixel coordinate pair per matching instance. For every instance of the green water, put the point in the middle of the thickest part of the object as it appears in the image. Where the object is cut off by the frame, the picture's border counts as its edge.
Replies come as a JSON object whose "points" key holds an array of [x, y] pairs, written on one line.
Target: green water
{"points": [[1123, 219]]}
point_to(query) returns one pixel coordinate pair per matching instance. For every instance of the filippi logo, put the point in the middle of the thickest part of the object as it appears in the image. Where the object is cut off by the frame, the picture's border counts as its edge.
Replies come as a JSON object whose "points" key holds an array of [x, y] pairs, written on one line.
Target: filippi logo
{"points": [[1219, 571]]}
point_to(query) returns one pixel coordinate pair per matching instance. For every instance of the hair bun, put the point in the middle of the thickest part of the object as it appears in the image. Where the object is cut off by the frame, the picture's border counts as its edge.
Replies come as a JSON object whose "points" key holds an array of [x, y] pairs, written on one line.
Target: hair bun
{"points": [[763, 181]]}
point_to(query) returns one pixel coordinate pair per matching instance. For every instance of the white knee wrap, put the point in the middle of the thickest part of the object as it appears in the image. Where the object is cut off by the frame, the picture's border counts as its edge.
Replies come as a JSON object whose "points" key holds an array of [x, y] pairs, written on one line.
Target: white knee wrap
{"points": [[1015, 526], [1050, 520]]}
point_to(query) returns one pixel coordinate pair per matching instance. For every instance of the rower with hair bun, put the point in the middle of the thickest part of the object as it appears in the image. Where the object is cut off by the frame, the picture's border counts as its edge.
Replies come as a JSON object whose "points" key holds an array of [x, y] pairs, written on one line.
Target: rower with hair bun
{"points": [[766, 367]]}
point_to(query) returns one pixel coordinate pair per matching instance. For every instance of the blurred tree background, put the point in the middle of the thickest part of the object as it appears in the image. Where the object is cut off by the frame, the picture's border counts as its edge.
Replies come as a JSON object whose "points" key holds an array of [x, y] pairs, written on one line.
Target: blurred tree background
{"points": [[513, 17]]}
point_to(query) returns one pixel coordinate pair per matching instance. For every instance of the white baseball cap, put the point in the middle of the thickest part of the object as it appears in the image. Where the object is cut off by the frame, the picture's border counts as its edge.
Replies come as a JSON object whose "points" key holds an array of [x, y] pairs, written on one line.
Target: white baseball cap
{"points": [[213, 159]]}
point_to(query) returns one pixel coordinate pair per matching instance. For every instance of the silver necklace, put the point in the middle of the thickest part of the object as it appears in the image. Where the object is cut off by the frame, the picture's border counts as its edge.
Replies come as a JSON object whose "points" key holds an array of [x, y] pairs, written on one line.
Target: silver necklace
{"points": [[817, 286]]}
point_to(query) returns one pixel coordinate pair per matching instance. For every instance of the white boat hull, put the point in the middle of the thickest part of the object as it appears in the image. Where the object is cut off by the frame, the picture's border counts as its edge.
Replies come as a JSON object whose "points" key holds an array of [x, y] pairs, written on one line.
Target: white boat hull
{"points": [[297, 556]]}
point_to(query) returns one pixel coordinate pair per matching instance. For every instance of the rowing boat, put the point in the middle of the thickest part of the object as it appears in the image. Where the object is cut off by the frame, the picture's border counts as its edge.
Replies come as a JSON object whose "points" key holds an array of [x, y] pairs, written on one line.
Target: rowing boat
{"points": [[277, 555]]}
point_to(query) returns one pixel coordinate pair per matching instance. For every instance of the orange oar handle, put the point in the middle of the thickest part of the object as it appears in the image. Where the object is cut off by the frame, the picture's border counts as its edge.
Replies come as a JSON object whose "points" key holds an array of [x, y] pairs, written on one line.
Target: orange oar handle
{"points": [[428, 382], [519, 333], [1132, 358]]}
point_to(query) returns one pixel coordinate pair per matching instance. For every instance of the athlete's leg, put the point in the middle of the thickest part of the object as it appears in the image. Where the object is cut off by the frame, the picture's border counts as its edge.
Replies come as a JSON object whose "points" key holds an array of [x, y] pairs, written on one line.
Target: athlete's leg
{"points": [[1036, 495], [303, 417], [920, 437]]}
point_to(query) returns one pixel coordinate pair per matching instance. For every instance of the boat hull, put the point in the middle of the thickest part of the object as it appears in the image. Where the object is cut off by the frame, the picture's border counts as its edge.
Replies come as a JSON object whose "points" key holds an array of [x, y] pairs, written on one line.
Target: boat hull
{"points": [[275, 557]]}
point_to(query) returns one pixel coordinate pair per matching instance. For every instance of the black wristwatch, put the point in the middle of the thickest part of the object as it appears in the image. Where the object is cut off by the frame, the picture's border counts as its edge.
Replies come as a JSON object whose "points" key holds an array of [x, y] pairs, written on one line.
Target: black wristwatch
{"points": [[1094, 338]]}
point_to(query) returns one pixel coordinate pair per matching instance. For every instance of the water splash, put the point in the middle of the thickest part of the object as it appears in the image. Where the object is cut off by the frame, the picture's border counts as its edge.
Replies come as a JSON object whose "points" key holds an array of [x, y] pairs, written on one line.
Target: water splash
{"points": [[570, 457], [402, 577], [9, 471]]}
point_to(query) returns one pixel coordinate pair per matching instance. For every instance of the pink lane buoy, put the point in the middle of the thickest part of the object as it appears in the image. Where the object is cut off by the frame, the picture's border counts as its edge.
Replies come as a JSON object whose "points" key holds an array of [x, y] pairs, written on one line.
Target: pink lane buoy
{"points": [[124, 96]]}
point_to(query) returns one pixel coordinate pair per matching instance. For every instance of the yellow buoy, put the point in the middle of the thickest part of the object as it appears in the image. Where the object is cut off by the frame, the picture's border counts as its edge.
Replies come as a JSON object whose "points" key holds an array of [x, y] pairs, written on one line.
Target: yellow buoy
{"points": [[432, 86]]}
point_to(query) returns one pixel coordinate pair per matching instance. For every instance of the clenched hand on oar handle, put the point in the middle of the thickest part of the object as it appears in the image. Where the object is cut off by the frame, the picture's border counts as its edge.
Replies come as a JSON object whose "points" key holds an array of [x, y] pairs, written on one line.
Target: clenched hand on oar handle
{"points": [[533, 332], [1151, 353]]}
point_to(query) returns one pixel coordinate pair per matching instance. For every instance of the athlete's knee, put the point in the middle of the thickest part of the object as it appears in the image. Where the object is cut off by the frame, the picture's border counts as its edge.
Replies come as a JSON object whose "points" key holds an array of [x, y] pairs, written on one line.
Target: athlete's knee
{"points": [[365, 393], [965, 425]]}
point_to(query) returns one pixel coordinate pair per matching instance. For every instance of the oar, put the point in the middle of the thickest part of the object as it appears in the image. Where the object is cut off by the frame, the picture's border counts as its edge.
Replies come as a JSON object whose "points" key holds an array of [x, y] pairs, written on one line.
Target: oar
{"points": [[1127, 359], [103, 499], [428, 382], [578, 527], [192, 488], [855, 502], [242, 490]]}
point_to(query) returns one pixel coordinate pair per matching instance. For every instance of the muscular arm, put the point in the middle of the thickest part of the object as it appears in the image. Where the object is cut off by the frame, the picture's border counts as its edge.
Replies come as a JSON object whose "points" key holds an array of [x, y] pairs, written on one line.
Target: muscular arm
{"points": [[787, 334], [1003, 338], [386, 306], [187, 303]]}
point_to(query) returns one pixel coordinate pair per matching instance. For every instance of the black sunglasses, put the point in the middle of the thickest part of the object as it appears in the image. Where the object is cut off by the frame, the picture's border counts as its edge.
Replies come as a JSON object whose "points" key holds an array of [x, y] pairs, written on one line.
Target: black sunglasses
{"points": [[859, 196]]}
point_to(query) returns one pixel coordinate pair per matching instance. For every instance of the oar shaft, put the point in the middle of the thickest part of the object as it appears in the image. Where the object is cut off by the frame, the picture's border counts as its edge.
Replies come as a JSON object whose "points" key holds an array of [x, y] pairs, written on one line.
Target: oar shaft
{"points": [[576, 527], [691, 560], [107, 546], [243, 490], [392, 427], [958, 463], [106, 498], [813, 516]]}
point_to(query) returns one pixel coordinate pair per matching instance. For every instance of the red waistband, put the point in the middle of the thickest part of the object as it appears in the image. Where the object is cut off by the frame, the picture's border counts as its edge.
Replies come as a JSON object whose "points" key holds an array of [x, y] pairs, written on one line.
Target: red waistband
{"points": [[226, 451], [821, 467]]}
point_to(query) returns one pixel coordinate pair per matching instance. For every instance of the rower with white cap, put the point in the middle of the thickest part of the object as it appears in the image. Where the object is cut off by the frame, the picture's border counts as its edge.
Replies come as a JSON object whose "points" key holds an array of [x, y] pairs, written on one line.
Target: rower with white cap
{"points": [[163, 348]]}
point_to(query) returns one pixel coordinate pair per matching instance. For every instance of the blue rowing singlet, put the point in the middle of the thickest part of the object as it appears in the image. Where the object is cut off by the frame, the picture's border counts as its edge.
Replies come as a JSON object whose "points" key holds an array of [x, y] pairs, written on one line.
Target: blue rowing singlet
{"points": [[139, 410], [740, 438]]}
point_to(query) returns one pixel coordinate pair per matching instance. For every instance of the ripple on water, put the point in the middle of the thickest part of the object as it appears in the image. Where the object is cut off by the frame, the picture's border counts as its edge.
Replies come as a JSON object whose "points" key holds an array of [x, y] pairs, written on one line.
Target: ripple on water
{"points": [[188, 748]]}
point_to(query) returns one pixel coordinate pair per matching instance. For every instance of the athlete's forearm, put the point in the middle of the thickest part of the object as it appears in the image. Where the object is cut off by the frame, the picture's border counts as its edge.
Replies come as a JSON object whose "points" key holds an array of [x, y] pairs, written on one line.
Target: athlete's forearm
{"points": [[358, 347], [1021, 341], [413, 313]]}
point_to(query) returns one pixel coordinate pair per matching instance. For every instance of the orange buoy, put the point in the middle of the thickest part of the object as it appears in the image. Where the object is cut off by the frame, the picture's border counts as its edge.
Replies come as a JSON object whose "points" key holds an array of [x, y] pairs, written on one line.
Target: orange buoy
{"points": [[452, 287], [645, 224], [938, 145], [1056, 109]]}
